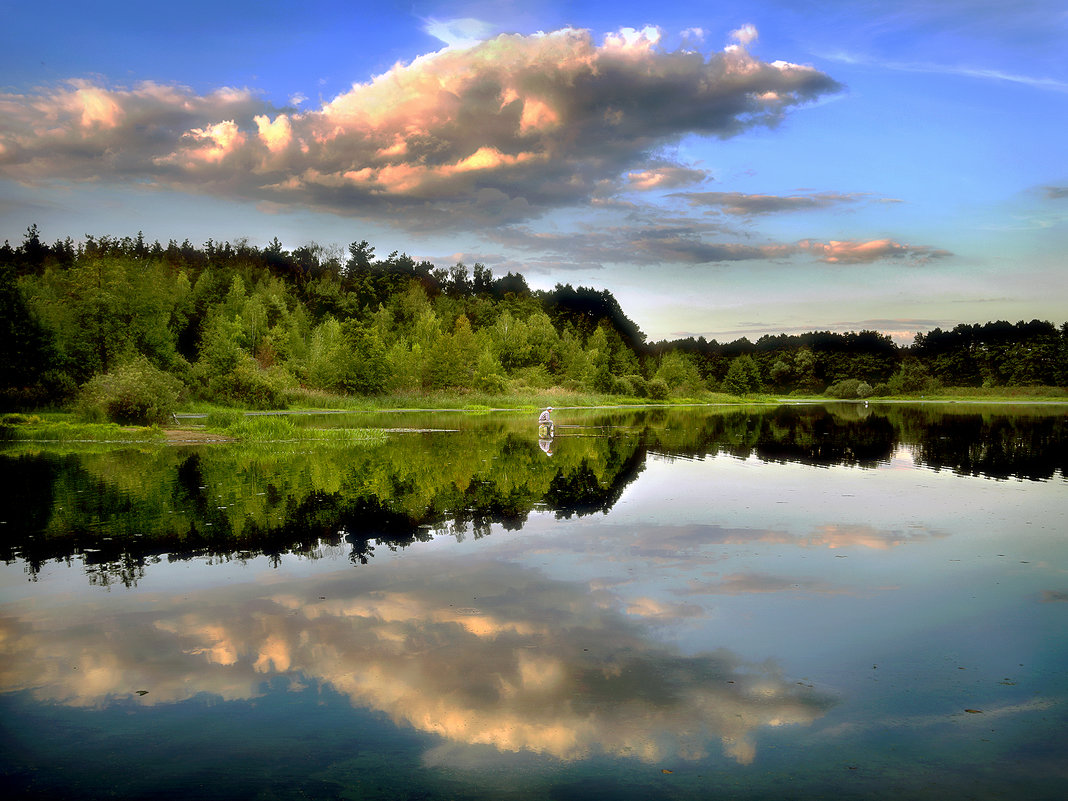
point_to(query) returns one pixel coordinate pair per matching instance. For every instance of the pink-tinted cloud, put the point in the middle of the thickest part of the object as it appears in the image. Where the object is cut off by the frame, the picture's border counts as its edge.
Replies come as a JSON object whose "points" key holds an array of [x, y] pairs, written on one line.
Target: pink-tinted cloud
{"points": [[696, 243], [83, 132], [496, 132], [859, 252], [664, 178]]}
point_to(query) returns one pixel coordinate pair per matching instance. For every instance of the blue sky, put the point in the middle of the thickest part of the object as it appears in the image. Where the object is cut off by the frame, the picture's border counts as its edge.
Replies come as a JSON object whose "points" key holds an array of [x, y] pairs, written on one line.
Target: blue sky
{"points": [[725, 169]]}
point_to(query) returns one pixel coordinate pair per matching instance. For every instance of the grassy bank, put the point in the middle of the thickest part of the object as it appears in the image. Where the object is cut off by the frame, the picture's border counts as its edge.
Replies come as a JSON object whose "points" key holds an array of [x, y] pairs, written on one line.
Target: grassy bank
{"points": [[275, 428], [1009, 394], [37, 428], [230, 425], [476, 401], [235, 424], [559, 397]]}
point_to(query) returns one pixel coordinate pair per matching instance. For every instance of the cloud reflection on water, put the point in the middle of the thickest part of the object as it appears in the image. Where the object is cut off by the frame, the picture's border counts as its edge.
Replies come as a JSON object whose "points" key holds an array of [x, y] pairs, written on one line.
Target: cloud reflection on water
{"points": [[481, 654]]}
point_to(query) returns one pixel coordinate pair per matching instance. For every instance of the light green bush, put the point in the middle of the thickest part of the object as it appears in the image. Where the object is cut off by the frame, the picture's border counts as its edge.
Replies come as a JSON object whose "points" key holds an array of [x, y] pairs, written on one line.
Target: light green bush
{"points": [[136, 393], [658, 389], [250, 386], [849, 389]]}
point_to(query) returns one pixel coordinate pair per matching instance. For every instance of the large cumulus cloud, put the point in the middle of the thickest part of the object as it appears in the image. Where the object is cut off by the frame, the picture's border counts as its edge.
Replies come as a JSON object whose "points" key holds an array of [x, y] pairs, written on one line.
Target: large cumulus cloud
{"points": [[498, 132]]}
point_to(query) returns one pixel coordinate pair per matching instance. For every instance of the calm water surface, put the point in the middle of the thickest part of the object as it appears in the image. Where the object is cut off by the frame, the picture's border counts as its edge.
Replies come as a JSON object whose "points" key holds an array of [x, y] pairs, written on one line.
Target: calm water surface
{"points": [[803, 602]]}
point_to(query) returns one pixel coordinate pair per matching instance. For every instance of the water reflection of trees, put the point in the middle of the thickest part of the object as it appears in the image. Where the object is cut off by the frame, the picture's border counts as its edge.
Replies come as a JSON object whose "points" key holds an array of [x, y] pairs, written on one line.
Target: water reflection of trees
{"points": [[1026, 446], [1028, 443], [120, 510], [809, 435]]}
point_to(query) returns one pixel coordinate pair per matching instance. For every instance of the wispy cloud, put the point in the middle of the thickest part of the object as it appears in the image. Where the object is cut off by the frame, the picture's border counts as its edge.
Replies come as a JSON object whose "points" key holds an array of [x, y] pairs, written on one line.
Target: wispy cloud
{"points": [[903, 331], [965, 71], [664, 178], [693, 243], [460, 33], [860, 252], [759, 584], [745, 205]]}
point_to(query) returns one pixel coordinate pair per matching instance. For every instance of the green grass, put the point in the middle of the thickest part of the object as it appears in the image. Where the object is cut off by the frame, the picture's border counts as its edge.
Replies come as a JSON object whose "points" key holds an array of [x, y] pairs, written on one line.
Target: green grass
{"points": [[271, 428], [33, 428], [534, 399], [1028, 394], [52, 425]]}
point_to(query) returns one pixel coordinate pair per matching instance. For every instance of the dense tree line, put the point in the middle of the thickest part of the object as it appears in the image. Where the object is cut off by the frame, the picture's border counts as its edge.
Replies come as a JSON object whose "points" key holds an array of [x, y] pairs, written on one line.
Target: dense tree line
{"points": [[236, 323]]}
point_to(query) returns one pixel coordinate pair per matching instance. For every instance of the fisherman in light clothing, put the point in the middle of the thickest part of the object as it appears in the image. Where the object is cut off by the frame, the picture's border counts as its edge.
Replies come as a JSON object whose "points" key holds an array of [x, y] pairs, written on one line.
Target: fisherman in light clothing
{"points": [[546, 431]]}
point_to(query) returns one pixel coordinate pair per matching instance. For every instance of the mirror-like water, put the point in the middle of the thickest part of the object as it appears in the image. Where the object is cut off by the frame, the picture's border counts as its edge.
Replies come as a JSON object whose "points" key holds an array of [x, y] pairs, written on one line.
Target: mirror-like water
{"points": [[869, 602]]}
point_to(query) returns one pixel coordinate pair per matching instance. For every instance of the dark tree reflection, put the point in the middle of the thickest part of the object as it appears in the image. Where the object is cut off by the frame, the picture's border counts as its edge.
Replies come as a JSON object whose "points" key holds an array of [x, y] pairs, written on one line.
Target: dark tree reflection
{"points": [[119, 510]]}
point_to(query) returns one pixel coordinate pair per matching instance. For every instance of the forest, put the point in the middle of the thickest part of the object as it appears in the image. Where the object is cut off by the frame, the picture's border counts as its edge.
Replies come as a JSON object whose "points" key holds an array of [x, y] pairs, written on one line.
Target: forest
{"points": [[126, 329]]}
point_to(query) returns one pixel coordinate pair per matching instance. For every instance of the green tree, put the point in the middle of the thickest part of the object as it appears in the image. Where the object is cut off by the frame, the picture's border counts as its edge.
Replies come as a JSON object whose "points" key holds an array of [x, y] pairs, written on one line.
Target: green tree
{"points": [[679, 373], [743, 377], [27, 352], [911, 376]]}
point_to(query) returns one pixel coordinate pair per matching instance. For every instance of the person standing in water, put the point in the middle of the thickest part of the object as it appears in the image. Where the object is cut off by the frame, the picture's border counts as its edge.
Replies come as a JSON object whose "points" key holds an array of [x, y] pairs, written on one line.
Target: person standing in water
{"points": [[545, 431]]}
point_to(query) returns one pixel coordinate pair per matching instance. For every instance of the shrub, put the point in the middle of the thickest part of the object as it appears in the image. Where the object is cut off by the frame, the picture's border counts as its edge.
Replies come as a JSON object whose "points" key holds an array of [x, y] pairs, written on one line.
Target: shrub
{"points": [[849, 389], [639, 386], [248, 385], [136, 393], [658, 389]]}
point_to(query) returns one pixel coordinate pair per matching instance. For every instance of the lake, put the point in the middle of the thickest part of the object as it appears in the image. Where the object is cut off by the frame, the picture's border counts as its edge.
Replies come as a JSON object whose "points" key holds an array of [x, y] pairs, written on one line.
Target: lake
{"points": [[803, 601]]}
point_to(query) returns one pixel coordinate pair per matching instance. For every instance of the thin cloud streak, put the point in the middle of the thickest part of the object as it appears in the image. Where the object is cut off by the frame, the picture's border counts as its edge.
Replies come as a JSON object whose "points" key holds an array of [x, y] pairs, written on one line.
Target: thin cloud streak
{"points": [[688, 245], [745, 205], [979, 73]]}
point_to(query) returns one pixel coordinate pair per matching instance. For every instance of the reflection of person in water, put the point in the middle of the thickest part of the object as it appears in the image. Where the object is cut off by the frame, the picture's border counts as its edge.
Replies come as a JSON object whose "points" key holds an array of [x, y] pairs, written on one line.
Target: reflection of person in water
{"points": [[546, 445]]}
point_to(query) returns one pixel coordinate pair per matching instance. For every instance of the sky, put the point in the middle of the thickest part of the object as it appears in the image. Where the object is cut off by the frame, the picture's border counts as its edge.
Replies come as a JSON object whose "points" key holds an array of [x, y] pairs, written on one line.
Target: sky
{"points": [[725, 169]]}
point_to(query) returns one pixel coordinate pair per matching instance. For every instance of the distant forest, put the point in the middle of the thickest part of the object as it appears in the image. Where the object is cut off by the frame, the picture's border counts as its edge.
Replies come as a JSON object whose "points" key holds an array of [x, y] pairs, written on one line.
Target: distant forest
{"points": [[237, 324]]}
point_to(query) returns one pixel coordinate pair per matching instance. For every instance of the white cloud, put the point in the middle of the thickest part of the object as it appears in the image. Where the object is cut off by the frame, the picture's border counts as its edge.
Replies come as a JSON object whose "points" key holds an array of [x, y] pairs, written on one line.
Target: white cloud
{"points": [[745, 35], [459, 33]]}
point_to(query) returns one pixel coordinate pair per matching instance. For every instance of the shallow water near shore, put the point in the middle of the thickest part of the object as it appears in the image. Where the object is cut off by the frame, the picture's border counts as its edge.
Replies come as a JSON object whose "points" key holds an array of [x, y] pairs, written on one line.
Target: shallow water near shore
{"points": [[795, 602]]}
